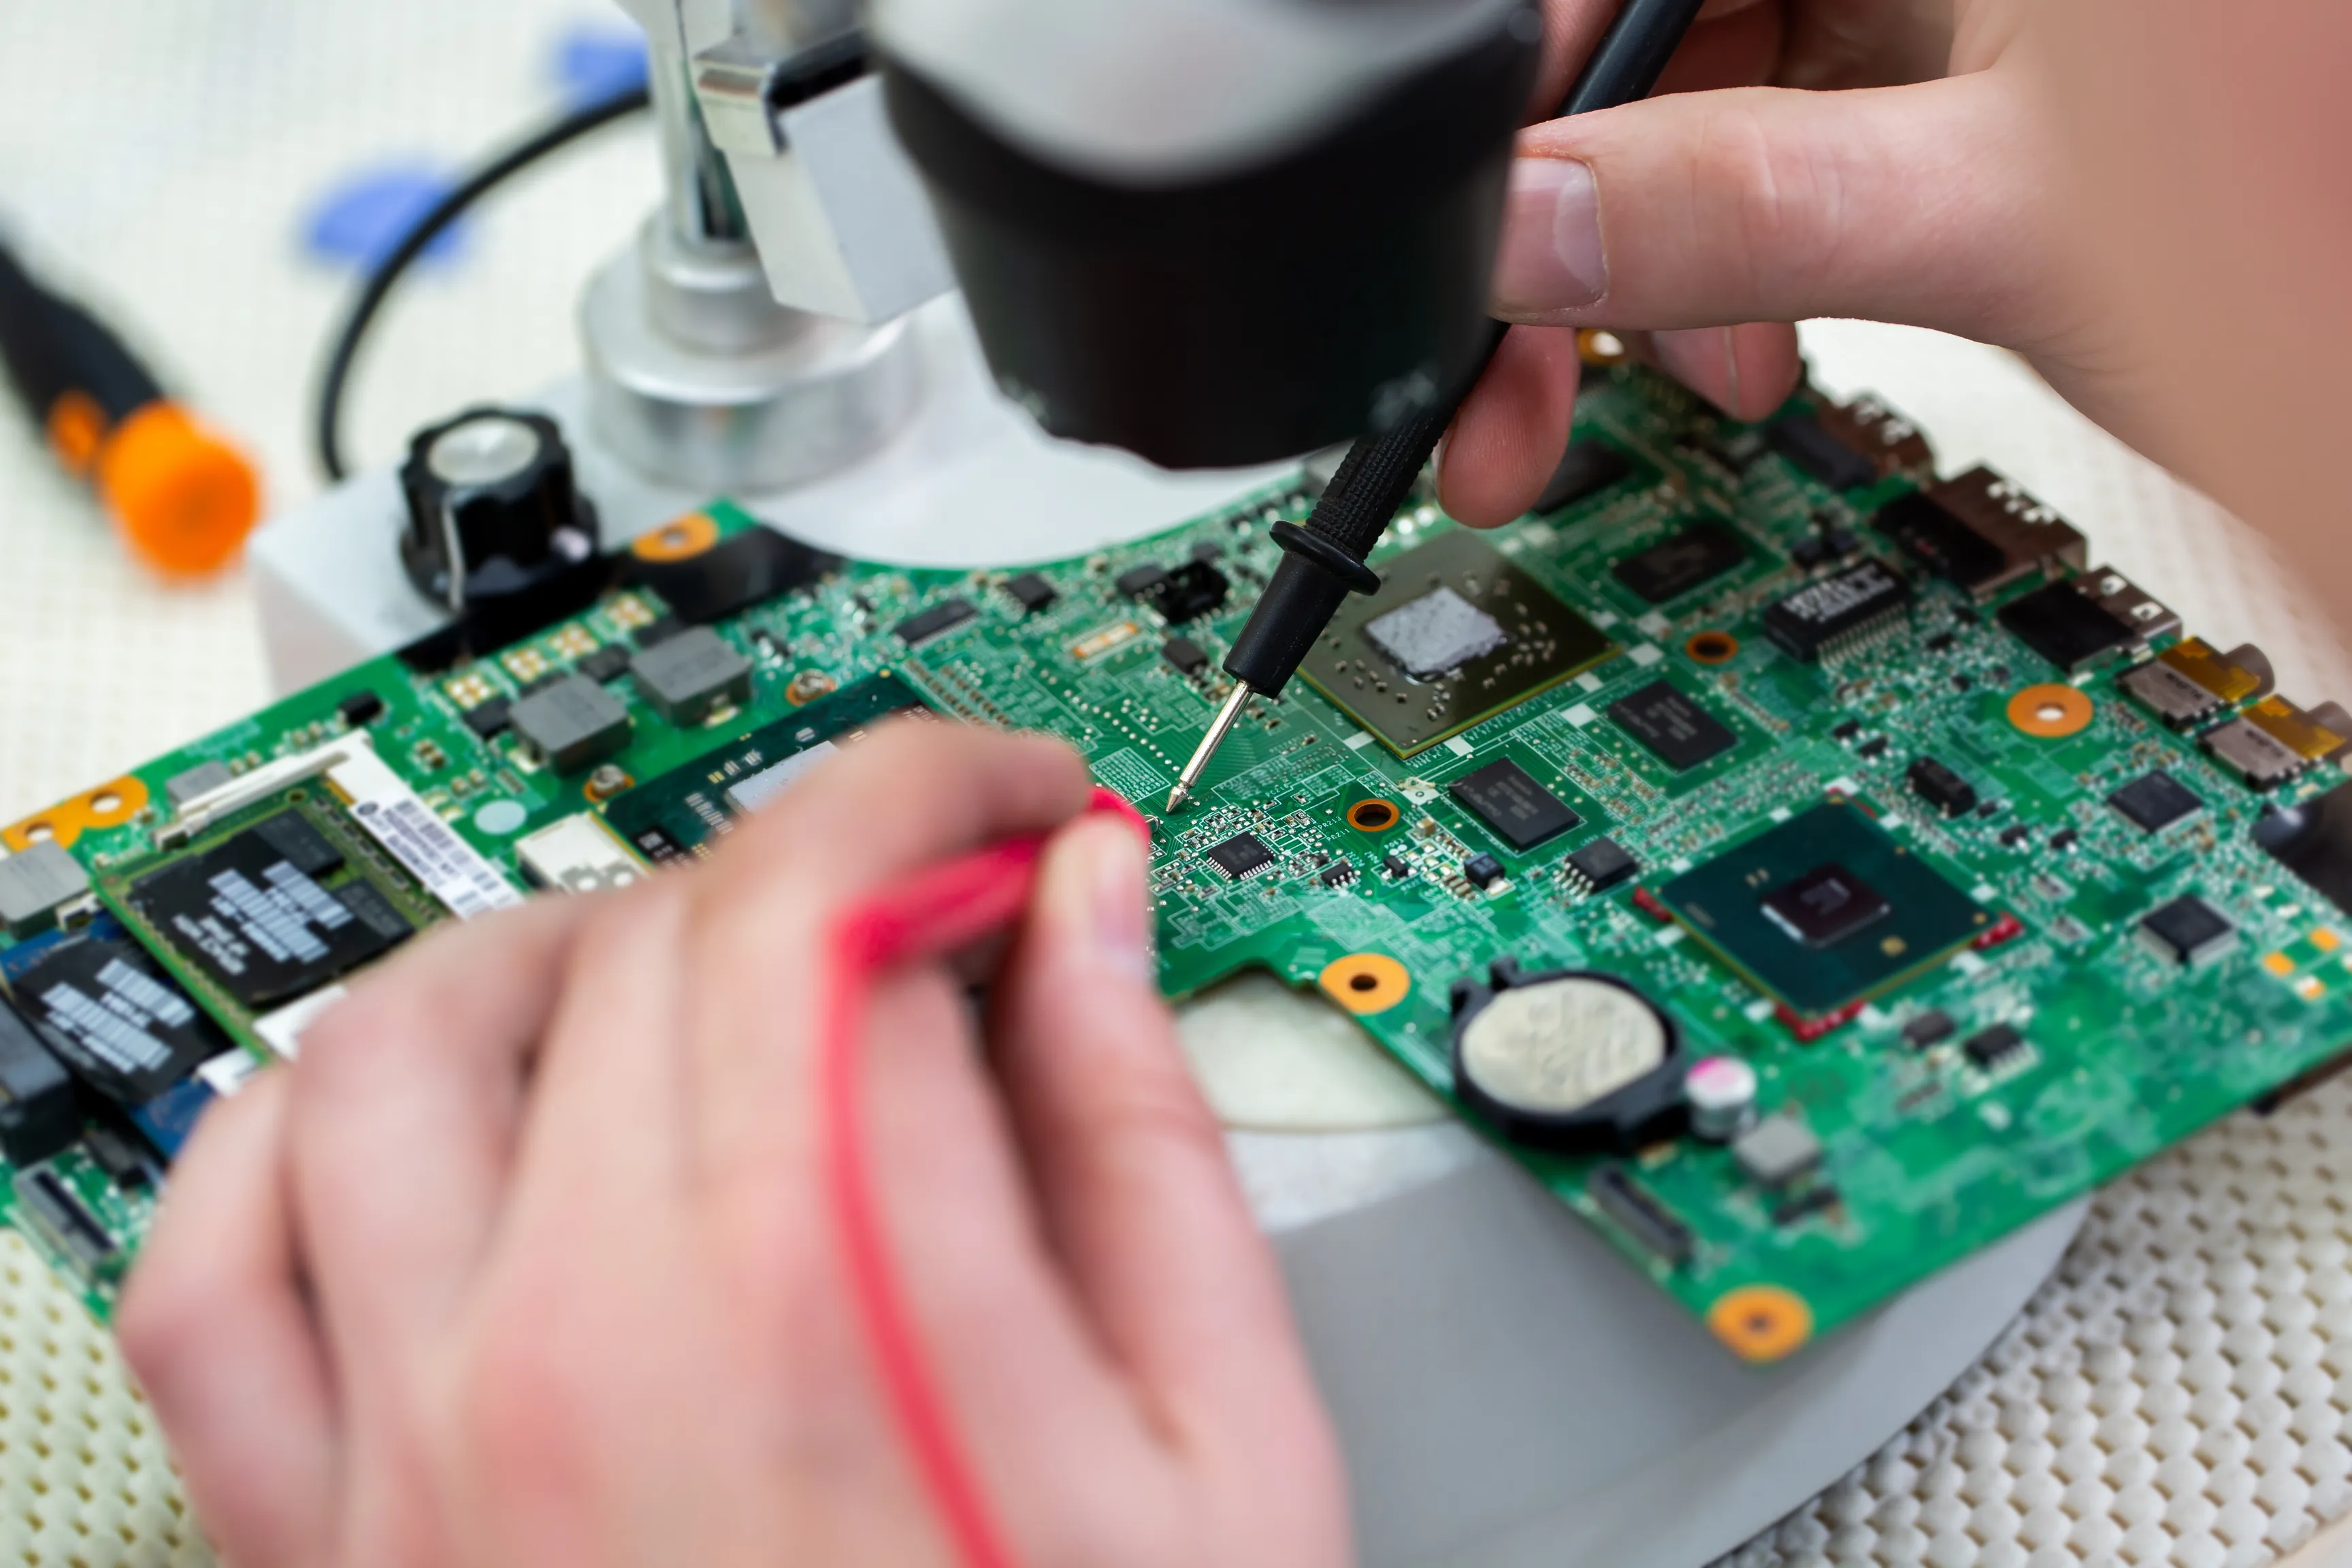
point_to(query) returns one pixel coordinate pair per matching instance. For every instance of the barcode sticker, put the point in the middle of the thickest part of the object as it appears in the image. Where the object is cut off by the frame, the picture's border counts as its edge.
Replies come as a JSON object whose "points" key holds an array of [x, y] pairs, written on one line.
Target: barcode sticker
{"points": [[434, 855]]}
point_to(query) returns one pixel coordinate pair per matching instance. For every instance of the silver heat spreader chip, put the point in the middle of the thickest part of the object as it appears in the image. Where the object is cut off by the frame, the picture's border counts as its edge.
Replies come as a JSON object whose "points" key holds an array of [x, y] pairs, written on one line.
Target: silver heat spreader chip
{"points": [[1435, 633]]}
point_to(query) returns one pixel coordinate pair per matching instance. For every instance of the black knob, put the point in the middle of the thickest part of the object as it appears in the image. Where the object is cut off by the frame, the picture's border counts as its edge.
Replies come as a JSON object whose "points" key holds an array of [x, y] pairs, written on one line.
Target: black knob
{"points": [[493, 509]]}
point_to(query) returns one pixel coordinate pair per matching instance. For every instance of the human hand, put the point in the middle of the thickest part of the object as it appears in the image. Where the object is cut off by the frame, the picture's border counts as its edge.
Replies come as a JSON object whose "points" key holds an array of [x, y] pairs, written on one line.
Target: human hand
{"points": [[524, 1262], [1883, 159]]}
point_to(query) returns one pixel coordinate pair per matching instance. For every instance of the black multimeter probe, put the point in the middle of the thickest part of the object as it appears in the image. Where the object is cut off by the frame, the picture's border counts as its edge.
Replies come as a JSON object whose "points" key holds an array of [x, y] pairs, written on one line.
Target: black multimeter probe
{"points": [[1323, 561]]}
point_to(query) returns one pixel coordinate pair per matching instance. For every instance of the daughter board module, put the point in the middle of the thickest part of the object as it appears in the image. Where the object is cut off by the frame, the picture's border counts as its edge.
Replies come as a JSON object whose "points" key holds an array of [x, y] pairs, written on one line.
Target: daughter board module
{"points": [[1811, 869]]}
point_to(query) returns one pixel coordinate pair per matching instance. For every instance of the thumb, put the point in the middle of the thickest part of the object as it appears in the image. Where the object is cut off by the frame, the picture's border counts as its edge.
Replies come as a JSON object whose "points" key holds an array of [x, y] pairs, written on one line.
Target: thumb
{"points": [[1919, 204], [1138, 1198]]}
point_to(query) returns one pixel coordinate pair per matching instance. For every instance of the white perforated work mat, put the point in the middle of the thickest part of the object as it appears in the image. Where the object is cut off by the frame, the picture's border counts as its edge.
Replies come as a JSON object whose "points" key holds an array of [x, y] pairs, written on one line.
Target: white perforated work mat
{"points": [[2182, 1393]]}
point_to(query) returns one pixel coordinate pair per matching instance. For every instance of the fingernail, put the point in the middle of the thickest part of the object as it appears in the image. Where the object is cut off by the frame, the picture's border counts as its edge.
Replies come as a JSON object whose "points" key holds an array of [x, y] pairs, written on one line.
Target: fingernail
{"points": [[1551, 257], [1120, 916]]}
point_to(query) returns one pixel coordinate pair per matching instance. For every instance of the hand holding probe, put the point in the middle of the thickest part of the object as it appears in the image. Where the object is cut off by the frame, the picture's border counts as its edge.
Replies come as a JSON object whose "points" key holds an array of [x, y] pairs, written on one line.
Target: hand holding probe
{"points": [[1323, 562]]}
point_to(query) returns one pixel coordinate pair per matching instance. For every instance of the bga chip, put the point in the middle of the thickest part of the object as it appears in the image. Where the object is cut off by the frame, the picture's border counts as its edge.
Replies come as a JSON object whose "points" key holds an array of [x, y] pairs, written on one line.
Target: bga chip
{"points": [[1672, 727], [1506, 798], [1681, 562], [1824, 909]]}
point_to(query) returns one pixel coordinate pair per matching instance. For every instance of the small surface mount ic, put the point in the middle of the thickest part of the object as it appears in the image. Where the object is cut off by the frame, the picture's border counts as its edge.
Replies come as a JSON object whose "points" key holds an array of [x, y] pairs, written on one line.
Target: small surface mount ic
{"points": [[1826, 617], [1242, 856]]}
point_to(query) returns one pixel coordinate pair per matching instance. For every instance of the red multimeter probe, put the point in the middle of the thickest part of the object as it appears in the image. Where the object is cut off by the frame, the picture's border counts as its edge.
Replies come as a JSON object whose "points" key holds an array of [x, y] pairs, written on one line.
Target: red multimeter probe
{"points": [[935, 911]]}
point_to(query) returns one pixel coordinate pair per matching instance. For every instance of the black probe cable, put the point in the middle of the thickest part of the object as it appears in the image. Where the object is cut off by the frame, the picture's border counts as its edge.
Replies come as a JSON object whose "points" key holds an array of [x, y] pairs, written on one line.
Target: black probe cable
{"points": [[1323, 562], [336, 376]]}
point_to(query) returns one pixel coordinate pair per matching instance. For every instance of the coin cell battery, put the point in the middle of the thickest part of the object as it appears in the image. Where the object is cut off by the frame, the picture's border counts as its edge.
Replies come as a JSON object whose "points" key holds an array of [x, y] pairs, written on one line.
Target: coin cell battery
{"points": [[1569, 1061]]}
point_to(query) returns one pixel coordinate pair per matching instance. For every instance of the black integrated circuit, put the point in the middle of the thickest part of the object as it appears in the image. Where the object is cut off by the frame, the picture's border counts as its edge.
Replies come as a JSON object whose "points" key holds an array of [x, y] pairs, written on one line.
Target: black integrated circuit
{"points": [[1186, 594], [942, 617], [1847, 604], [1940, 787], [1603, 864], [1824, 909], [1667, 570], [1672, 727], [1030, 592], [256, 913], [2188, 930], [2154, 801], [1243, 855], [118, 1021], [1825, 905], [1506, 798], [1186, 656]]}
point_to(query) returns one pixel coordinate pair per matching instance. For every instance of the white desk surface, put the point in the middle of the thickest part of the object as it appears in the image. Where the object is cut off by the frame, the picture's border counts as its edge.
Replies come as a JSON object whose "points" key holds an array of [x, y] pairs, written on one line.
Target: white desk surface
{"points": [[2182, 1393]]}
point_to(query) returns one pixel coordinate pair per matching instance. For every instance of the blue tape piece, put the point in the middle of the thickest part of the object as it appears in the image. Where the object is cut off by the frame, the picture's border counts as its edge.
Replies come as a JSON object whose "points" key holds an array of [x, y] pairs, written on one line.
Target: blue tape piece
{"points": [[15, 961], [168, 1119], [594, 63], [364, 216]]}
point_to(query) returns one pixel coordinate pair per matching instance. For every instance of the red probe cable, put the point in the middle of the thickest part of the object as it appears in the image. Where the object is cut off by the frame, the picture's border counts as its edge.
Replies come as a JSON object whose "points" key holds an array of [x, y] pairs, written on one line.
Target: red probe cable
{"points": [[935, 911]]}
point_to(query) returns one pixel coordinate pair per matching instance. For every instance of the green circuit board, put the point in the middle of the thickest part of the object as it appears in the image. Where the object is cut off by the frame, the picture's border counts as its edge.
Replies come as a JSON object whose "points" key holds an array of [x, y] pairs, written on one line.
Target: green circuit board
{"points": [[1674, 728]]}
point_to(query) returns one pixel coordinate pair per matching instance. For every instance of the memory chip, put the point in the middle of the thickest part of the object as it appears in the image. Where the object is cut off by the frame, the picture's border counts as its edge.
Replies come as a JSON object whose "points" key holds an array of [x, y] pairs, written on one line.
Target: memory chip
{"points": [[122, 1024], [2154, 801], [1681, 562], [1436, 634], [1843, 604], [1241, 856], [254, 913], [1672, 727], [1506, 798]]}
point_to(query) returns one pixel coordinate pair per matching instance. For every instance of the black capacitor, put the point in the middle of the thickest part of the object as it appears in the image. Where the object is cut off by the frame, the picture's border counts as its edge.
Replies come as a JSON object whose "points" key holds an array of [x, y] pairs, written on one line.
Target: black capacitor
{"points": [[495, 513]]}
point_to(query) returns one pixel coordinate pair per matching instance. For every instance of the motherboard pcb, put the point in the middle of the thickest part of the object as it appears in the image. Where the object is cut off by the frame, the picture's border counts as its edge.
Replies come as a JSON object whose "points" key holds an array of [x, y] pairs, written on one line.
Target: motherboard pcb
{"points": [[1811, 868]]}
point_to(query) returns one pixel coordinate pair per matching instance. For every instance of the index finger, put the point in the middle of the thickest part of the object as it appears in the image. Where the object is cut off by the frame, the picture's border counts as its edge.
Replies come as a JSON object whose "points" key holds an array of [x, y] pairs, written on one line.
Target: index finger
{"points": [[757, 941]]}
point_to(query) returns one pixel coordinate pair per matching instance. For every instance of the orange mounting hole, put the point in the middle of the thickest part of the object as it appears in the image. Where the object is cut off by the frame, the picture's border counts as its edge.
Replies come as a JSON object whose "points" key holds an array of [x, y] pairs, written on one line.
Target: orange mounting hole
{"points": [[1760, 1322], [677, 539], [108, 806], [2050, 711], [1373, 816], [1598, 345], [1712, 647], [1365, 982]]}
